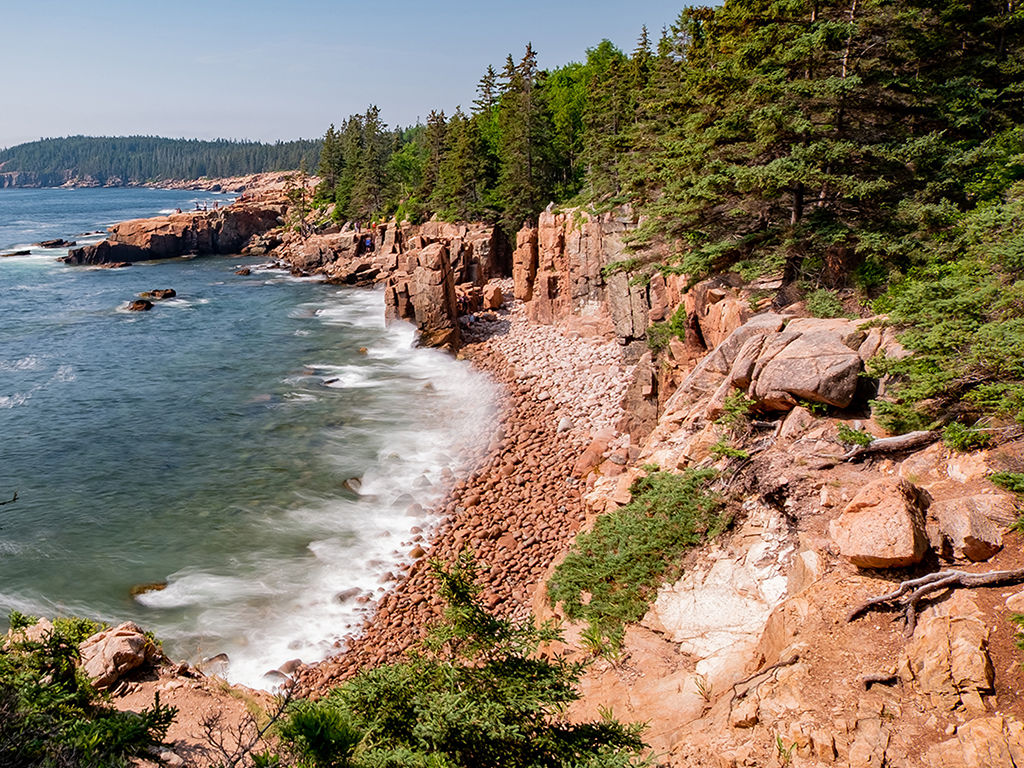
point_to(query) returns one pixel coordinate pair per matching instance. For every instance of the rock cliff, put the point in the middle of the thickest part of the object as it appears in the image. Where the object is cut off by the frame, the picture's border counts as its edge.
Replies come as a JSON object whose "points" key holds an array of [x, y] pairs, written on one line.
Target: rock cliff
{"points": [[223, 230]]}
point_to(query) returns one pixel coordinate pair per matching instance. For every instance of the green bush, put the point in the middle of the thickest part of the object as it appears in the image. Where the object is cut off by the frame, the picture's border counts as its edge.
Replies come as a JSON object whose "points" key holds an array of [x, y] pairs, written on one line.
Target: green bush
{"points": [[660, 334], [1011, 481], [50, 715], [962, 438], [723, 449], [852, 436], [824, 303], [962, 316], [477, 694], [611, 573]]}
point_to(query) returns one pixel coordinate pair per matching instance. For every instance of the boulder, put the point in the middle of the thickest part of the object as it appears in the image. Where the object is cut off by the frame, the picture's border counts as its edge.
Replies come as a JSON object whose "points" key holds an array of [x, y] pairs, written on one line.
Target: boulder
{"points": [[109, 655], [492, 296], [884, 525], [158, 294], [810, 360], [971, 527], [140, 305]]}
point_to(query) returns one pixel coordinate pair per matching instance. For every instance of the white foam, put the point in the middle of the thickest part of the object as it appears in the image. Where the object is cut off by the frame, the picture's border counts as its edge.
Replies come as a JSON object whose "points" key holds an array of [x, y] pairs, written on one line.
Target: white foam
{"points": [[305, 609], [28, 363]]}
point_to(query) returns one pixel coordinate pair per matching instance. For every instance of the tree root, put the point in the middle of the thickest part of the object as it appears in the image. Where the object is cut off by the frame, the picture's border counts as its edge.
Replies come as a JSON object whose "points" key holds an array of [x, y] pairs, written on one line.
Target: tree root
{"points": [[912, 591], [893, 444]]}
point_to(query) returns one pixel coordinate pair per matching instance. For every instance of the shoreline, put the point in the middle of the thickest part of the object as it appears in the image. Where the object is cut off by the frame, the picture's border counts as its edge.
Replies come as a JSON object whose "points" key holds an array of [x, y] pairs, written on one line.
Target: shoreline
{"points": [[522, 504]]}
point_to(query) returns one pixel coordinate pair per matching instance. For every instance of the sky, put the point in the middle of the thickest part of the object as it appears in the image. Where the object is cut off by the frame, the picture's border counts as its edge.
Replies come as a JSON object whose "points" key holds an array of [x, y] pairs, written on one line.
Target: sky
{"points": [[254, 69]]}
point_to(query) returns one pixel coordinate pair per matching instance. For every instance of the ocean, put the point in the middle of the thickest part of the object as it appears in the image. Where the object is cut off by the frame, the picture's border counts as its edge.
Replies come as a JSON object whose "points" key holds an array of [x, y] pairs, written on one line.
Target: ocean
{"points": [[261, 447]]}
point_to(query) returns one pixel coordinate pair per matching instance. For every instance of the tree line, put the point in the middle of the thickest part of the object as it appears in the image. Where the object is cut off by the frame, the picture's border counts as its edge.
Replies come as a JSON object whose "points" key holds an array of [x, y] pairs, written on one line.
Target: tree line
{"points": [[138, 159], [872, 147]]}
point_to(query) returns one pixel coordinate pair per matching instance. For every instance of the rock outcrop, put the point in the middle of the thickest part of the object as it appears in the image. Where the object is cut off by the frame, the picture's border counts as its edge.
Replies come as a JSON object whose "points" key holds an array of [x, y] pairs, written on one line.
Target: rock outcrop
{"points": [[422, 291], [109, 655], [575, 263], [884, 525], [224, 230]]}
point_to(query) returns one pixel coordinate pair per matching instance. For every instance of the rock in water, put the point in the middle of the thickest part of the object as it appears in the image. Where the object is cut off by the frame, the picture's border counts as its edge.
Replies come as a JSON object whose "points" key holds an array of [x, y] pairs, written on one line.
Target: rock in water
{"points": [[158, 293], [140, 305]]}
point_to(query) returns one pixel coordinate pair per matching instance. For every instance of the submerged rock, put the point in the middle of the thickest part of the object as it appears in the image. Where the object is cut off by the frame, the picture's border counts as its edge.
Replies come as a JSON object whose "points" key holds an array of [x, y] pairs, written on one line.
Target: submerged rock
{"points": [[140, 305], [158, 293]]}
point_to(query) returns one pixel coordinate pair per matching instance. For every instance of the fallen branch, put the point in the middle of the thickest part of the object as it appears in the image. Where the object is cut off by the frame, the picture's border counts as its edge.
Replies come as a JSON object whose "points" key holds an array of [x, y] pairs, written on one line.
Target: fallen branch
{"points": [[13, 499], [893, 444], [912, 591]]}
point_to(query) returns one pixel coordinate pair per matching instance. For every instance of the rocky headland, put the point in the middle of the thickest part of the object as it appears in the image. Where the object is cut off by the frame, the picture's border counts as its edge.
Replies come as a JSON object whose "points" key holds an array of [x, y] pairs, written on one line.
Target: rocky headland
{"points": [[763, 652]]}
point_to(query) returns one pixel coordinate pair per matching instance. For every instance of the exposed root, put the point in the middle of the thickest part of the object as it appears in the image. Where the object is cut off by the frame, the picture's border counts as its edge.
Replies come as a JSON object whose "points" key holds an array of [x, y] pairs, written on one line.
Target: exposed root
{"points": [[755, 680], [912, 591]]}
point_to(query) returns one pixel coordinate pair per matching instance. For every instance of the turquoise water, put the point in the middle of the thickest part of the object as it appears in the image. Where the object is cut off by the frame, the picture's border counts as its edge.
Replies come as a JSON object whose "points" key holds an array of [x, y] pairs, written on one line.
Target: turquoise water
{"points": [[207, 443]]}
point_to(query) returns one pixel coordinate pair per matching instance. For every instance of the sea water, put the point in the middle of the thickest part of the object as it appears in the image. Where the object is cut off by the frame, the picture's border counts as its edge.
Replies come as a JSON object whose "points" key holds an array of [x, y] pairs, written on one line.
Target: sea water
{"points": [[262, 448]]}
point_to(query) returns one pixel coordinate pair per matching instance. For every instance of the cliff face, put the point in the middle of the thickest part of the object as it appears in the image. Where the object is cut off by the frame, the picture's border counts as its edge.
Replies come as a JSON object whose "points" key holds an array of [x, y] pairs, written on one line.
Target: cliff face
{"points": [[425, 270], [562, 268], [224, 230]]}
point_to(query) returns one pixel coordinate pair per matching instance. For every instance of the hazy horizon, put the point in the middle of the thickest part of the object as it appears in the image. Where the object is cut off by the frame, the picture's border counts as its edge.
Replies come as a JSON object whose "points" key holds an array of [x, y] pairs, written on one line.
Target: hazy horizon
{"points": [[252, 71]]}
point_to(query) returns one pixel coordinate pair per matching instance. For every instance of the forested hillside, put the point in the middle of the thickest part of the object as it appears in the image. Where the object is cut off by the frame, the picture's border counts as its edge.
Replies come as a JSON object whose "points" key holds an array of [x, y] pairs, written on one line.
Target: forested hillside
{"points": [[137, 159], [873, 146]]}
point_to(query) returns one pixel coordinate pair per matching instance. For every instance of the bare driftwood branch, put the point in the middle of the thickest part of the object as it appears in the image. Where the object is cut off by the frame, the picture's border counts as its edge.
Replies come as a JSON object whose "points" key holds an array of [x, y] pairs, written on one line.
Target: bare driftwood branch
{"points": [[11, 500], [911, 592], [893, 444]]}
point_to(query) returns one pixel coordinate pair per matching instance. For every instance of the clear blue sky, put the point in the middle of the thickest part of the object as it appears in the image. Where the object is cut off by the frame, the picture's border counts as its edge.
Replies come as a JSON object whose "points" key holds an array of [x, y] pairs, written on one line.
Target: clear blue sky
{"points": [[275, 70]]}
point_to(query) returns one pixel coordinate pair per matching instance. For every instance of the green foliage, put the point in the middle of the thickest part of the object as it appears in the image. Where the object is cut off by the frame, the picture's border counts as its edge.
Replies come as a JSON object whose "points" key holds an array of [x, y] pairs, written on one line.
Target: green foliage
{"points": [[149, 158], [1011, 481], [824, 303], [478, 693], [963, 438], [660, 334], [50, 715], [818, 409], [962, 315], [735, 411], [852, 436], [19, 621], [612, 572], [723, 449], [1017, 619]]}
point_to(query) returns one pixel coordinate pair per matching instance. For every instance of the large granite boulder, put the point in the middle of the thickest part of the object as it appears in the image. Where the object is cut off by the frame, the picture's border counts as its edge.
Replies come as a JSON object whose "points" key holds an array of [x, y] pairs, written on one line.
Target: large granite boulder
{"points": [[109, 655], [884, 525]]}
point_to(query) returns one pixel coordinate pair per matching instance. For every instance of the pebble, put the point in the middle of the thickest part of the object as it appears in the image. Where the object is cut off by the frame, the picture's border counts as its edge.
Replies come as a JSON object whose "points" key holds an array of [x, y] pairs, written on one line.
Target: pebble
{"points": [[521, 506]]}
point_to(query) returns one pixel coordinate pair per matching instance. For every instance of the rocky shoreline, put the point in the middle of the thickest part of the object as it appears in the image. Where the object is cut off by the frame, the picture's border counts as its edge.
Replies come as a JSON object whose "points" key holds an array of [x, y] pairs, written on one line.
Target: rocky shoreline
{"points": [[521, 507]]}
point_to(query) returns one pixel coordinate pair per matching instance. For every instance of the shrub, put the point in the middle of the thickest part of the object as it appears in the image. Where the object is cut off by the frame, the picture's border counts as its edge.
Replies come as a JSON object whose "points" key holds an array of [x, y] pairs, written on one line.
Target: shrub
{"points": [[1011, 481], [611, 573], [962, 438], [735, 411], [660, 334], [50, 715], [852, 436], [724, 449], [824, 303], [477, 693]]}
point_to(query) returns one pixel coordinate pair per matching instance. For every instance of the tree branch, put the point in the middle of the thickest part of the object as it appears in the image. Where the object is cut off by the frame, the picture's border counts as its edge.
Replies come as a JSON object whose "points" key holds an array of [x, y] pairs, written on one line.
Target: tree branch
{"points": [[893, 444]]}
